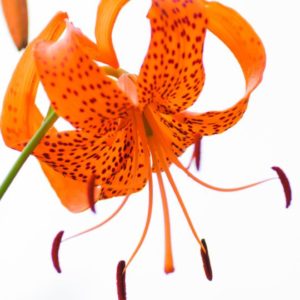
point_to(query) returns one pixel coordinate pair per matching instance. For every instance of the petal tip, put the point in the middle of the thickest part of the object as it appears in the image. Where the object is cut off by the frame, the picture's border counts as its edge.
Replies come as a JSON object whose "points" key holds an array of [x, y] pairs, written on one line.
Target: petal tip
{"points": [[22, 44]]}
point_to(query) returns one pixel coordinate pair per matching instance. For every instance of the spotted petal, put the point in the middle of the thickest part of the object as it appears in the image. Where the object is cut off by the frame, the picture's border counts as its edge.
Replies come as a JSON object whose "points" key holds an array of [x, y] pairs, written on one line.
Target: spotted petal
{"points": [[78, 89], [172, 74], [78, 155], [134, 175], [15, 12], [244, 43], [21, 118]]}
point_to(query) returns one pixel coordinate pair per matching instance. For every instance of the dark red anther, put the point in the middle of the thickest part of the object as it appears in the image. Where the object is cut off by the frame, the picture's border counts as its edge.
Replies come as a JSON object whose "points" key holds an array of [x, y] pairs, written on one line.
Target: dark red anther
{"points": [[206, 261], [55, 249], [121, 283], [91, 193], [197, 152], [285, 184]]}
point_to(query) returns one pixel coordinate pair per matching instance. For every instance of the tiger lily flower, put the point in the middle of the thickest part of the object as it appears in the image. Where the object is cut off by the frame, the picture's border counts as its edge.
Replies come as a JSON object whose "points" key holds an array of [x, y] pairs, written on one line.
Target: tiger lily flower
{"points": [[128, 127], [16, 15]]}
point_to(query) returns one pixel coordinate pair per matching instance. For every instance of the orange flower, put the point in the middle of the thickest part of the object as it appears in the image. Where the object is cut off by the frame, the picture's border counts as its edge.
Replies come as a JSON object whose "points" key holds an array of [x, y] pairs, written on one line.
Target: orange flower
{"points": [[127, 128], [15, 12]]}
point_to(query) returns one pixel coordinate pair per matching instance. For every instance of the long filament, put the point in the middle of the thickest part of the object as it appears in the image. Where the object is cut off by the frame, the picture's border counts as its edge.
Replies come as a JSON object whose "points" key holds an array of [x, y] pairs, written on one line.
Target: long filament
{"points": [[138, 124], [163, 140], [176, 161], [181, 203], [149, 214], [147, 140], [101, 223], [169, 266]]}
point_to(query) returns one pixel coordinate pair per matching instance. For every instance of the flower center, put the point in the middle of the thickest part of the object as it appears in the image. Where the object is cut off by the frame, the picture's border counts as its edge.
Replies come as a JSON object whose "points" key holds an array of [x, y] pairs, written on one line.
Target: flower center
{"points": [[147, 127], [127, 83], [157, 146]]}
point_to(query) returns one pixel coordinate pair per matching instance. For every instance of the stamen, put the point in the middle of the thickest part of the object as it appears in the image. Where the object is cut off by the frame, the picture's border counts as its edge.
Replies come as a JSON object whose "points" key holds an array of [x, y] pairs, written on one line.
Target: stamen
{"points": [[169, 266], [55, 250], [102, 223], [148, 129], [121, 282], [206, 261], [175, 160], [149, 213], [139, 124], [179, 198], [285, 184], [91, 193], [163, 140], [196, 153]]}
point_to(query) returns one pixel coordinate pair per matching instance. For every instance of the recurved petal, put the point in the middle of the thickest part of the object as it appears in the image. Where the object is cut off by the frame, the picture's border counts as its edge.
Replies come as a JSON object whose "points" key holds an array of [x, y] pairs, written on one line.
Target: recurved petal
{"points": [[212, 122], [20, 117], [182, 129], [172, 74], [242, 40], [15, 12], [107, 13], [78, 89]]}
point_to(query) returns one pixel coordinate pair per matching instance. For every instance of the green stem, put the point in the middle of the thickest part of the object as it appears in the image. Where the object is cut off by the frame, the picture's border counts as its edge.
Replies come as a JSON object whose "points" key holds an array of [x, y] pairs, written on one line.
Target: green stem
{"points": [[32, 144]]}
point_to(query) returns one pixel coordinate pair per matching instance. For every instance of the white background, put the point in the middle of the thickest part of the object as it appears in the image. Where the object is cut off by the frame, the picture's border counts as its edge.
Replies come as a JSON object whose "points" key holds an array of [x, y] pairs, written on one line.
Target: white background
{"points": [[254, 241]]}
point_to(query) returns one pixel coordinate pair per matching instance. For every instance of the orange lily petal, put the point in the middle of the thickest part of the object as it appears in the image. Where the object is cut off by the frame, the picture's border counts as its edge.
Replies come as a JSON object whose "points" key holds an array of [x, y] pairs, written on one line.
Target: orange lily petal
{"points": [[214, 122], [78, 89], [242, 40], [15, 12], [172, 74], [132, 177], [20, 117], [79, 156], [72, 193], [107, 13]]}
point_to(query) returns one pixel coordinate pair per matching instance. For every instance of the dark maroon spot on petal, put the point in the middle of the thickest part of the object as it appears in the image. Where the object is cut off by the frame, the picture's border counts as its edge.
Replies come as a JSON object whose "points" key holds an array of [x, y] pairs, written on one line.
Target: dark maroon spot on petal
{"points": [[285, 184], [55, 249], [121, 283], [206, 261], [90, 191]]}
